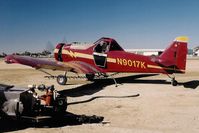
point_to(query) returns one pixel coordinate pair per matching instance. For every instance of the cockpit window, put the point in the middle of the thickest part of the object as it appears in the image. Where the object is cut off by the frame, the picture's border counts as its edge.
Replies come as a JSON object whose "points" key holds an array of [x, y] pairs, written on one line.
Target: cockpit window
{"points": [[102, 47], [115, 46], [105, 45]]}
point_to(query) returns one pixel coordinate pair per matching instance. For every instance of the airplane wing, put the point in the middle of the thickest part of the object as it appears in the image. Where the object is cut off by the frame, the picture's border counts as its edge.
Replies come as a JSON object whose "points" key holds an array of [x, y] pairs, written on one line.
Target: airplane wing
{"points": [[73, 66]]}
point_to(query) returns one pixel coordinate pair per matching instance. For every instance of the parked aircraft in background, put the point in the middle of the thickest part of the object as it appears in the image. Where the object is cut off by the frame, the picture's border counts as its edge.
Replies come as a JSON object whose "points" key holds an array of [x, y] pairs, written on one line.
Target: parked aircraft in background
{"points": [[107, 56]]}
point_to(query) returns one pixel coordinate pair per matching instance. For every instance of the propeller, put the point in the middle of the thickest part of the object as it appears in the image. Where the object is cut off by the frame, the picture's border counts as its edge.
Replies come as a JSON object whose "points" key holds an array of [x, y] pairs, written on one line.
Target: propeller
{"points": [[49, 46], [64, 40]]}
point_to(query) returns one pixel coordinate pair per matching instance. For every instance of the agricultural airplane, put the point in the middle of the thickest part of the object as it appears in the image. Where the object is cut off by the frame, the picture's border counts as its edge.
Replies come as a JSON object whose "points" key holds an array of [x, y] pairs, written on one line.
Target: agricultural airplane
{"points": [[105, 56]]}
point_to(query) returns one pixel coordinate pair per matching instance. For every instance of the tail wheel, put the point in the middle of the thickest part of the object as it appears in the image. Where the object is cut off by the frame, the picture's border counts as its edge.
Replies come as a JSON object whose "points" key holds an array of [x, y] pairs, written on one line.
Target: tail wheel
{"points": [[90, 76], [174, 82], [61, 79]]}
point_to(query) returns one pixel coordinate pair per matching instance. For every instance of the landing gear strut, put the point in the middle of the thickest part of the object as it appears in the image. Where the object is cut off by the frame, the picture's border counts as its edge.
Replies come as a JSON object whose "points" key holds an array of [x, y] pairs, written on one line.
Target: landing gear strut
{"points": [[90, 76], [115, 82], [62, 79]]}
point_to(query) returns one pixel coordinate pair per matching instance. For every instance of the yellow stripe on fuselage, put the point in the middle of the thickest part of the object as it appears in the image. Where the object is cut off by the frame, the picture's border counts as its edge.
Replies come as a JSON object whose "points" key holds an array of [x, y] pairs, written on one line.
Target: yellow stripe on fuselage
{"points": [[159, 67], [70, 53], [153, 66], [112, 60], [81, 55]]}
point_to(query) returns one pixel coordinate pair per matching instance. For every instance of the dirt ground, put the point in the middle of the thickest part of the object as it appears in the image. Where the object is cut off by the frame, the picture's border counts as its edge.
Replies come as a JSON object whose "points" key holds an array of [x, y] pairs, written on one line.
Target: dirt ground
{"points": [[160, 108]]}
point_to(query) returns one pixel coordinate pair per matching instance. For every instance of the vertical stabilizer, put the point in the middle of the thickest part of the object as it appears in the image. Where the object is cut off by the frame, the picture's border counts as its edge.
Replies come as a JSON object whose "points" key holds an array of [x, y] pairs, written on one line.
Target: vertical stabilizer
{"points": [[175, 55]]}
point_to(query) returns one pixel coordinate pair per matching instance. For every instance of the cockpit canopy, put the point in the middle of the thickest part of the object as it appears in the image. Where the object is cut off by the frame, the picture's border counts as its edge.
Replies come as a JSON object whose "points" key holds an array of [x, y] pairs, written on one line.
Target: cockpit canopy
{"points": [[104, 45]]}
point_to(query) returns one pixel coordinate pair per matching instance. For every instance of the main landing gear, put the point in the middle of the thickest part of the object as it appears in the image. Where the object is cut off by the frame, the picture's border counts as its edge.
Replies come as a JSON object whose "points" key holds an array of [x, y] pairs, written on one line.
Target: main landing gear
{"points": [[62, 79]]}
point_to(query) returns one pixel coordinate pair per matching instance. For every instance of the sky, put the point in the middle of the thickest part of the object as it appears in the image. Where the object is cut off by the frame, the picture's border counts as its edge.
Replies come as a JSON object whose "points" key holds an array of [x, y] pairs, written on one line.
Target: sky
{"points": [[33, 24]]}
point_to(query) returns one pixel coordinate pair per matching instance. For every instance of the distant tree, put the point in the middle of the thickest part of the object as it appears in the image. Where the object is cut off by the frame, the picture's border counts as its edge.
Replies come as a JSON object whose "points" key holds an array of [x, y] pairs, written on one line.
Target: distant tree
{"points": [[45, 53], [4, 54], [26, 53], [34, 54]]}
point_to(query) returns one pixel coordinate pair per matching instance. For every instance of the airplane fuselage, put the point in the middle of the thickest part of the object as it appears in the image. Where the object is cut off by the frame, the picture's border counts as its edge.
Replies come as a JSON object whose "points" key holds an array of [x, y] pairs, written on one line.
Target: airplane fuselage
{"points": [[114, 61]]}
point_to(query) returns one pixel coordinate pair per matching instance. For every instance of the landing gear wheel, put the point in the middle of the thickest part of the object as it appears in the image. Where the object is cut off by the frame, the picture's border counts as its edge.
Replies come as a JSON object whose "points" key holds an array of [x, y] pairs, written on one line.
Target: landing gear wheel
{"points": [[174, 82], [61, 79], [90, 77]]}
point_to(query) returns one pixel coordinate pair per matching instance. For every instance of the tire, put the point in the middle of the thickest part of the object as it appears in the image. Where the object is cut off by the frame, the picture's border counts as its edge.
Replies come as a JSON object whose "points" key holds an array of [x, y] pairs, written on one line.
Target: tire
{"points": [[90, 76], [174, 82], [61, 79]]}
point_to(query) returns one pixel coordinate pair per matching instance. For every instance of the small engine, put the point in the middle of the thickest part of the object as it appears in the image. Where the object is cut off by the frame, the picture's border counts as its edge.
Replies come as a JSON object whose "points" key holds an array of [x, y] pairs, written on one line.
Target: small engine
{"points": [[18, 102]]}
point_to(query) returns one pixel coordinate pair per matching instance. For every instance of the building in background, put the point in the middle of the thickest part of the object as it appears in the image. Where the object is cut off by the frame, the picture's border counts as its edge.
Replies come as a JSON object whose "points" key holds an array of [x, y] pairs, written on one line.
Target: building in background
{"points": [[146, 52], [156, 52], [196, 51]]}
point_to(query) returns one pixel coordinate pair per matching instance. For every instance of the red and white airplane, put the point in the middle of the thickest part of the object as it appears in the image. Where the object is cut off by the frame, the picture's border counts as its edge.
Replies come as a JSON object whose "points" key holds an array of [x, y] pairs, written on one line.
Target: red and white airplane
{"points": [[107, 56]]}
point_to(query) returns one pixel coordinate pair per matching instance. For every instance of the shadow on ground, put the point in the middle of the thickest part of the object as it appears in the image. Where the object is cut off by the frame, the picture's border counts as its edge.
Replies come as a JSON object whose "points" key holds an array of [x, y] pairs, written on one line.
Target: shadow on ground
{"points": [[100, 84], [190, 84], [59, 121]]}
